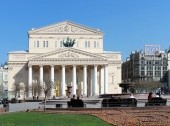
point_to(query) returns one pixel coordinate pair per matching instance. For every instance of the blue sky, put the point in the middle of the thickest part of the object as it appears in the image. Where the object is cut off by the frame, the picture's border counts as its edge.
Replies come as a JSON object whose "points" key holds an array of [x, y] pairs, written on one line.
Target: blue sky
{"points": [[128, 25]]}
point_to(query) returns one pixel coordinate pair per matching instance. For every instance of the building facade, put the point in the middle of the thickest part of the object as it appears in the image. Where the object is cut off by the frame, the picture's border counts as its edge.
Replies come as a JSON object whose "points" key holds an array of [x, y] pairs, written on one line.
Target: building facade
{"points": [[148, 65], [4, 82], [84, 69]]}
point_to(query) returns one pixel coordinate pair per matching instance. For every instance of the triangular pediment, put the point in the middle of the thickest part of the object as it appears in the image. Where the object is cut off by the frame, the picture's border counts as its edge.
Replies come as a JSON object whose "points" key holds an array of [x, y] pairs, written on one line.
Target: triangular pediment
{"points": [[65, 27], [68, 53]]}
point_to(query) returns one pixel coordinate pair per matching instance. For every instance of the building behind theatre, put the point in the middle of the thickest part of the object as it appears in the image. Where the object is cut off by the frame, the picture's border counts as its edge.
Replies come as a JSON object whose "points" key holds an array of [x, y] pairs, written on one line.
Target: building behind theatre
{"points": [[3, 81], [148, 65], [84, 69]]}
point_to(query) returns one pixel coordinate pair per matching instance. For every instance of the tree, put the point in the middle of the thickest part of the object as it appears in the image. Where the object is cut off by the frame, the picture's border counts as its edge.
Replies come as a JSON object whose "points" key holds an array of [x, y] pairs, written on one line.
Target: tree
{"points": [[46, 88], [18, 88], [36, 89], [145, 86], [1, 90], [69, 42]]}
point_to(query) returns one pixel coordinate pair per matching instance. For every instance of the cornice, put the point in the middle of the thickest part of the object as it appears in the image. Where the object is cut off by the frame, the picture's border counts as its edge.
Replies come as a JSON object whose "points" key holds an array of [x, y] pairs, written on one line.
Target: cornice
{"points": [[68, 50]]}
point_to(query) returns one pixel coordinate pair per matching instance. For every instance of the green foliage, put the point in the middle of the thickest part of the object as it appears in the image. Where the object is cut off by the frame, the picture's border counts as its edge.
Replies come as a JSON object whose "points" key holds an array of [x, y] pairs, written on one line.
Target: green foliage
{"points": [[146, 86], [69, 42], [42, 119]]}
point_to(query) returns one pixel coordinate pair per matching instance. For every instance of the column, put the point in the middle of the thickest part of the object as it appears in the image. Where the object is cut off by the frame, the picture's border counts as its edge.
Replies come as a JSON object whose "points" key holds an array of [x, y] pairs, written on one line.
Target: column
{"points": [[85, 80], [63, 84], [91, 81], [41, 80], [52, 80], [74, 80], [95, 81], [30, 81], [41, 74], [105, 79], [102, 80]]}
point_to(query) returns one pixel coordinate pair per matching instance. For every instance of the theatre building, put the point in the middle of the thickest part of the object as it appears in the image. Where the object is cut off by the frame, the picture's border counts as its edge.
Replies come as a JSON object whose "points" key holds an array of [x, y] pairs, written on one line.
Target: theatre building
{"points": [[68, 55]]}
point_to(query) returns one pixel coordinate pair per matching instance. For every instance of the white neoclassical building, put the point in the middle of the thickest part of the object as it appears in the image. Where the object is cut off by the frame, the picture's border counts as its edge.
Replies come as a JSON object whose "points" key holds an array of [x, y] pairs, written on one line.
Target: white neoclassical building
{"points": [[84, 69]]}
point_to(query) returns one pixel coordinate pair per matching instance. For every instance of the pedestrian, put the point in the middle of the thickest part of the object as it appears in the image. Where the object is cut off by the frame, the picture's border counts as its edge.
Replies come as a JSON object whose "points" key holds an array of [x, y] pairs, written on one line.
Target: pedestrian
{"points": [[150, 96]]}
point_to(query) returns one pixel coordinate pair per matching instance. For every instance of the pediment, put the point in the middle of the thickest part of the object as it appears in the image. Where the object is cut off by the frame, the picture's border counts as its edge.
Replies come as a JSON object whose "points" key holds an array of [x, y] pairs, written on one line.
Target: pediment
{"points": [[66, 27], [68, 53]]}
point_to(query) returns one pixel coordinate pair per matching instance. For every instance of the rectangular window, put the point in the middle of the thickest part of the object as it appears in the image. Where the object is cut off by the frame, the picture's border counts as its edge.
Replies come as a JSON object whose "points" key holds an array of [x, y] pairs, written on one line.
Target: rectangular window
{"points": [[150, 73], [88, 43], [142, 67], [38, 44], [142, 73], [85, 44], [157, 73], [164, 68], [46, 43]]}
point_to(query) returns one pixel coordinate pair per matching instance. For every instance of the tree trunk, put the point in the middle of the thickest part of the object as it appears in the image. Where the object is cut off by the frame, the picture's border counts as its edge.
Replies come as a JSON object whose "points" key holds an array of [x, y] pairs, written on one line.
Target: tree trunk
{"points": [[45, 103]]}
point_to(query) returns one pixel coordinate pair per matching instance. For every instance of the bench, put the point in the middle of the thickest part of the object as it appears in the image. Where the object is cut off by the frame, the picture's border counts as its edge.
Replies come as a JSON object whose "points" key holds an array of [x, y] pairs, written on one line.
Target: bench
{"points": [[119, 102], [75, 103], [156, 101]]}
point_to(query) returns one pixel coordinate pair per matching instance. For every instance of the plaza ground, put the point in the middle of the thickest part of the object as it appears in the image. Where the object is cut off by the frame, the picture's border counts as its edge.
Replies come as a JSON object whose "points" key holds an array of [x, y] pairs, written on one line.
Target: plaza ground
{"points": [[120, 116]]}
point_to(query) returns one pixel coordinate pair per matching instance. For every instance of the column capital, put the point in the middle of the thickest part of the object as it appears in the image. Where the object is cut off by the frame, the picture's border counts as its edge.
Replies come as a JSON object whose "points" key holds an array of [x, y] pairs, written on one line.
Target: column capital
{"points": [[52, 65], [30, 65], [41, 65], [63, 65], [74, 65]]}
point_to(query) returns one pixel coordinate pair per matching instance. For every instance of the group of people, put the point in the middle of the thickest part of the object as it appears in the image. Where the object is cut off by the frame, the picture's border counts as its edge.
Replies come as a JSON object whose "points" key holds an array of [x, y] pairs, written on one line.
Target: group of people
{"points": [[74, 98], [150, 96]]}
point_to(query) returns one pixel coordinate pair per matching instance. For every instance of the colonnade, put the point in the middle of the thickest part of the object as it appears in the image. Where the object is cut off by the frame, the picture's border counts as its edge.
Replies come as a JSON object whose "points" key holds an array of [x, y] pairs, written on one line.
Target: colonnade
{"points": [[103, 79]]}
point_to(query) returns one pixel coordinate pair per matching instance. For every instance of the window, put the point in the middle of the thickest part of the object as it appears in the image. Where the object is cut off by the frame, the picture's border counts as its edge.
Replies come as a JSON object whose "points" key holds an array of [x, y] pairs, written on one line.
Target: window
{"points": [[142, 67], [157, 67], [88, 43], [36, 44], [149, 62], [149, 67], [142, 73], [85, 44], [164, 67], [45, 44], [157, 62], [150, 73], [157, 73]]}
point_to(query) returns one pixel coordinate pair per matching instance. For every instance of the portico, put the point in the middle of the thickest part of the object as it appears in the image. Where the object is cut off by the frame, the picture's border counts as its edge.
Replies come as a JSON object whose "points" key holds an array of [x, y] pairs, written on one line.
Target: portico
{"points": [[74, 75]]}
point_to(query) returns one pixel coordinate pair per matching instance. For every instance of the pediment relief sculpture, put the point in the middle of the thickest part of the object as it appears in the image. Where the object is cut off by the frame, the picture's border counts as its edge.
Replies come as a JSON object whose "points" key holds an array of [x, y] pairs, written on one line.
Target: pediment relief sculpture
{"points": [[66, 27], [68, 55]]}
